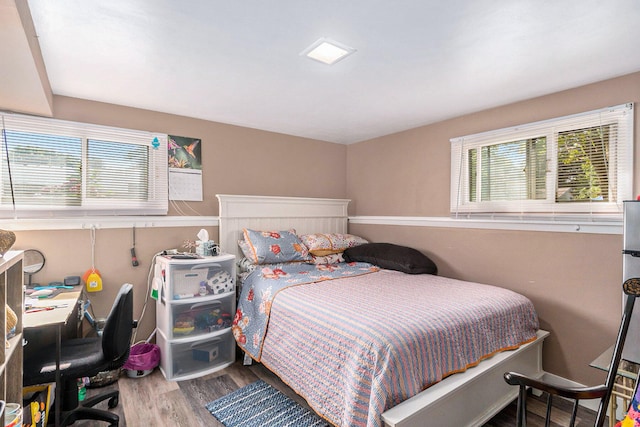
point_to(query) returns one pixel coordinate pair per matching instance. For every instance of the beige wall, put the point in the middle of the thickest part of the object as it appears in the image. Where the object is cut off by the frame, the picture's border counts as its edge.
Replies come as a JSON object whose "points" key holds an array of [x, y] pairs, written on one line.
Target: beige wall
{"points": [[577, 294], [235, 160], [408, 173], [573, 279]]}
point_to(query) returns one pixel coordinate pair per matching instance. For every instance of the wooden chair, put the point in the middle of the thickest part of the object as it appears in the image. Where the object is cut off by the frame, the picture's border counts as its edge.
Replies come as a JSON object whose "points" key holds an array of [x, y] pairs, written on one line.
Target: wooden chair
{"points": [[631, 288]]}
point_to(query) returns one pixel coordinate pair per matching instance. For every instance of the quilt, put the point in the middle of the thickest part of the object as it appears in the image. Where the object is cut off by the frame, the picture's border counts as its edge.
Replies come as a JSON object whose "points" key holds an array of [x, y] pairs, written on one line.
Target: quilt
{"points": [[355, 347], [262, 285]]}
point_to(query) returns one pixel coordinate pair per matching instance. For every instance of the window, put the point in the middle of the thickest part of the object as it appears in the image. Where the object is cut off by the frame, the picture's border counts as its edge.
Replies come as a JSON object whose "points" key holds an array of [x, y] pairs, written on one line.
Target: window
{"points": [[580, 164], [61, 168]]}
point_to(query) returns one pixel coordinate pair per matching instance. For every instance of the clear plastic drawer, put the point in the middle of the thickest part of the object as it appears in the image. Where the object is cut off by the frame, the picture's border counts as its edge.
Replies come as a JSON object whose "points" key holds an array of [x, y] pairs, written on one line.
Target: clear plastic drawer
{"points": [[194, 317], [194, 358], [194, 280]]}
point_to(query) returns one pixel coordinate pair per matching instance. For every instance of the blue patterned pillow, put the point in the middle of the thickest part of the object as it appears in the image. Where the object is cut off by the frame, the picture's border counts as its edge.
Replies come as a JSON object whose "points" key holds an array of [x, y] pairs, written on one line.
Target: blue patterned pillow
{"points": [[270, 247]]}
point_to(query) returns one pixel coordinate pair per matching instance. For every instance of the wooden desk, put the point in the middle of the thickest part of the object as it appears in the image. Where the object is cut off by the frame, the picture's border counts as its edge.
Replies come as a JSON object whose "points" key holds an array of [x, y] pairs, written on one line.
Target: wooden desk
{"points": [[63, 305]]}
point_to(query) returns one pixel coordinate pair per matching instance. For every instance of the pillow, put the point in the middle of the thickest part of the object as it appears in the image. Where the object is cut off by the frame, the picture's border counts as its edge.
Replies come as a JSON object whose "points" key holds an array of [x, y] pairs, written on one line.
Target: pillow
{"points": [[246, 251], [271, 247], [320, 244], [392, 257], [327, 259]]}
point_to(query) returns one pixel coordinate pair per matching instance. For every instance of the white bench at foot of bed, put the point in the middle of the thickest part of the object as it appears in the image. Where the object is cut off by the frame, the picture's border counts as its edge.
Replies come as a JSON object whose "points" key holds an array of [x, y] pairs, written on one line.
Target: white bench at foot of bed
{"points": [[470, 398]]}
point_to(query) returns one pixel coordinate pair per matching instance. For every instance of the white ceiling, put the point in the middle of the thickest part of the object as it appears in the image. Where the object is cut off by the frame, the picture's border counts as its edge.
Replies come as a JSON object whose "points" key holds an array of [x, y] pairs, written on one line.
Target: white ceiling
{"points": [[417, 61]]}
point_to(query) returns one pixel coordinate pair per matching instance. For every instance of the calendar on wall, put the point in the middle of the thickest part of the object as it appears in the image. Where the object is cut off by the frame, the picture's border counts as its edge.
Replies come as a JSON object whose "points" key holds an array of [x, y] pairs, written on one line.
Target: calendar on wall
{"points": [[185, 168], [185, 184]]}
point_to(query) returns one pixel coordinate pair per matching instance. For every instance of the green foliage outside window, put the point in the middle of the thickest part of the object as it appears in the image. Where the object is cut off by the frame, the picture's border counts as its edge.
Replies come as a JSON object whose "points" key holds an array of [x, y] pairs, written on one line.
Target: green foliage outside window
{"points": [[583, 165]]}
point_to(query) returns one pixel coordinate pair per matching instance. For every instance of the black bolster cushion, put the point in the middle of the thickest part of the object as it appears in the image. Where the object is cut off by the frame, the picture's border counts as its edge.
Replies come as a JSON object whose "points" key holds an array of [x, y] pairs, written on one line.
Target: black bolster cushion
{"points": [[392, 257]]}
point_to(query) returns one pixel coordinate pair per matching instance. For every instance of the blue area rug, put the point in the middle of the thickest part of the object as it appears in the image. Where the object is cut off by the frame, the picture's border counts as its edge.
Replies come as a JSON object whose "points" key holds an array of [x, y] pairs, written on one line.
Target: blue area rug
{"points": [[260, 405]]}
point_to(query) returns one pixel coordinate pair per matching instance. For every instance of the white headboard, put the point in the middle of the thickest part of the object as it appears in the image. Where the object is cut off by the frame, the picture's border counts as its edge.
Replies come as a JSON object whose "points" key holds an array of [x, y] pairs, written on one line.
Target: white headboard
{"points": [[306, 215]]}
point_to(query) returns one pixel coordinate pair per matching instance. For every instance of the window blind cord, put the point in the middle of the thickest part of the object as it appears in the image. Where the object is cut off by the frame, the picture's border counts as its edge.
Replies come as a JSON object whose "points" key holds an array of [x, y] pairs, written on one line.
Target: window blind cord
{"points": [[93, 248], [182, 212], [459, 182], [6, 149]]}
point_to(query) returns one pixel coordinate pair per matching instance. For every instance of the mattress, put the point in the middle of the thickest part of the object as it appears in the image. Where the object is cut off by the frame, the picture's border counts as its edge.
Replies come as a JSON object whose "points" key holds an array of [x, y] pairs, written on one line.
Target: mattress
{"points": [[356, 346]]}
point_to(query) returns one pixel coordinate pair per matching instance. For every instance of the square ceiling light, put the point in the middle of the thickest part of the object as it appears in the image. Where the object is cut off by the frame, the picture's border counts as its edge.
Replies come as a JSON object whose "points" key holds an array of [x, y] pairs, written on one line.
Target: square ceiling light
{"points": [[327, 51]]}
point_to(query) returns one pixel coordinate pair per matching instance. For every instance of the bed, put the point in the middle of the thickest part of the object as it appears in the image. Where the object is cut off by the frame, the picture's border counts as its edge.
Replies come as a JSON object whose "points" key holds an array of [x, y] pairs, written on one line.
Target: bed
{"points": [[467, 391]]}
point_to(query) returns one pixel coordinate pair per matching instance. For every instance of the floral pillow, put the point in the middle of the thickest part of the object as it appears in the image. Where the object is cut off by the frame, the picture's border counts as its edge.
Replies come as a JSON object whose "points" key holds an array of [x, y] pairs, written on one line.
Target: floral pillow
{"points": [[327, 259], [270, 247], [246, 251], [322, 244]]}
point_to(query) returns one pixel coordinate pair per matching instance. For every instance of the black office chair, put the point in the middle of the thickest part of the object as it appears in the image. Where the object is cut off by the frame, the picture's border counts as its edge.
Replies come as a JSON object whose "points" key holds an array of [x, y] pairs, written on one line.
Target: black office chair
{"points": [[631, 288], [86, 357]]}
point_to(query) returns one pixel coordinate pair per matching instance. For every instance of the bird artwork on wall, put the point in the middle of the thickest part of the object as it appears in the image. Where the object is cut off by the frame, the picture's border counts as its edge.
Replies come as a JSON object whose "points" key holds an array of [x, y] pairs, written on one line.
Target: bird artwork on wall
{"points": [[185, 168], [184, 152]]}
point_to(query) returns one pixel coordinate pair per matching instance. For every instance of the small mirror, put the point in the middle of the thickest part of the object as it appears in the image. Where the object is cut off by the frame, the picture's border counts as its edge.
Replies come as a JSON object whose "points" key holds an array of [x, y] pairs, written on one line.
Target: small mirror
{"points": [[33, 262]]}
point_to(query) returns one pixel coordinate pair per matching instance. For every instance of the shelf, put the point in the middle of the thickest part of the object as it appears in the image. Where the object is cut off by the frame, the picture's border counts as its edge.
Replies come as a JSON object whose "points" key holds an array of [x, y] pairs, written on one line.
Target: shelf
{"points": [[14, 343], [11, 294]]}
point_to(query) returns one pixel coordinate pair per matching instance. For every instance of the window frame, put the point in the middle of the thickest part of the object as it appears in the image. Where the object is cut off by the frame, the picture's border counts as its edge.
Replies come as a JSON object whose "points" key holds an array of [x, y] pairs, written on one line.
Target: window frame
{"points": [[621, 151], [156, 162]]}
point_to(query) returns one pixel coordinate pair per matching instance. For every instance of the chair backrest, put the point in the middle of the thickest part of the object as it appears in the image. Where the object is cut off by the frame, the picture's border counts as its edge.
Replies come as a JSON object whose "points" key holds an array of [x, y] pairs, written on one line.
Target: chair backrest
{"points": [[116, 336]]}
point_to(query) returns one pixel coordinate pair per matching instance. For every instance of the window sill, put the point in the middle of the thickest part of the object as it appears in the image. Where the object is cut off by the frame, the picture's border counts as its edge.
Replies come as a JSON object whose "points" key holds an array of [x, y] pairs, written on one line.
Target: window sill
{"points": [[104, 222], [556, 226]]}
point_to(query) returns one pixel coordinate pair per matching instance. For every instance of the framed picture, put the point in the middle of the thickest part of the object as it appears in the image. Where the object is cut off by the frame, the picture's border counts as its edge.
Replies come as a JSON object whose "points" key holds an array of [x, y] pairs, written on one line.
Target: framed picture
{"points": [[185, 168]]}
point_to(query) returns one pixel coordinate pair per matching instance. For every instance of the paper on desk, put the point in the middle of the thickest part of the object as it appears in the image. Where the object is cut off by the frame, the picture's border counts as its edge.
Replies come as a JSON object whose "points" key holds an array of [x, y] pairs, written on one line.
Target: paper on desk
{"points": [[45, 302]]}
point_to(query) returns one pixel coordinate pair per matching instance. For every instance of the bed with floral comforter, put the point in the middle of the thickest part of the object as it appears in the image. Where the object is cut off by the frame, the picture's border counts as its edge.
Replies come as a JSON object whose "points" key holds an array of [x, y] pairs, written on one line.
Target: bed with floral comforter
{"points": [[355, 340]]}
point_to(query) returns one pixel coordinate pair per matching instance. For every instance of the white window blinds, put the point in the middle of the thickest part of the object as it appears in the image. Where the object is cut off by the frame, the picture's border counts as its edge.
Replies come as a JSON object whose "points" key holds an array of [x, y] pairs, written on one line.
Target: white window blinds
{"points": [[573, 165], [61, 168]]}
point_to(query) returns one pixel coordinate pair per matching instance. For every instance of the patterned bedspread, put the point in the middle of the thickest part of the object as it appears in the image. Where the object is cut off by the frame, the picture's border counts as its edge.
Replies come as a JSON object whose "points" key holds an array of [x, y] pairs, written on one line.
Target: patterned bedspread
{"points": [[261, 286], [355, 347]]}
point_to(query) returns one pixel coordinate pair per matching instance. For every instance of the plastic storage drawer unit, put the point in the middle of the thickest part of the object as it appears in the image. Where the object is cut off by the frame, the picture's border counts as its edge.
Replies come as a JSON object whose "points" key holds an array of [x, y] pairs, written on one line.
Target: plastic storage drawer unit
{"points": [[195, 305]]}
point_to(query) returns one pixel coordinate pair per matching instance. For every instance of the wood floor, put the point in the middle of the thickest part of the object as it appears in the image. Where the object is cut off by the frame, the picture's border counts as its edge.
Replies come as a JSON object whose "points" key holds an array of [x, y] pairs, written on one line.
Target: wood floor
{"points": [[153, 401]]}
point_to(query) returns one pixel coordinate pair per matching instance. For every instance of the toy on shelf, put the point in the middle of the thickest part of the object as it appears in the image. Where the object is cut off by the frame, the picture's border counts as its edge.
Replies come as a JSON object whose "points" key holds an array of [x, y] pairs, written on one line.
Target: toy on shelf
{"points": [[199, 321], [184, 325]]}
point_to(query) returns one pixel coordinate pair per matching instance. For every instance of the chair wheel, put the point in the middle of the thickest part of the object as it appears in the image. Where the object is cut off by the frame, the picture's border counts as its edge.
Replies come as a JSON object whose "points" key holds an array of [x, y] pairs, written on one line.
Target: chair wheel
{"points": [[113, 402]]}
